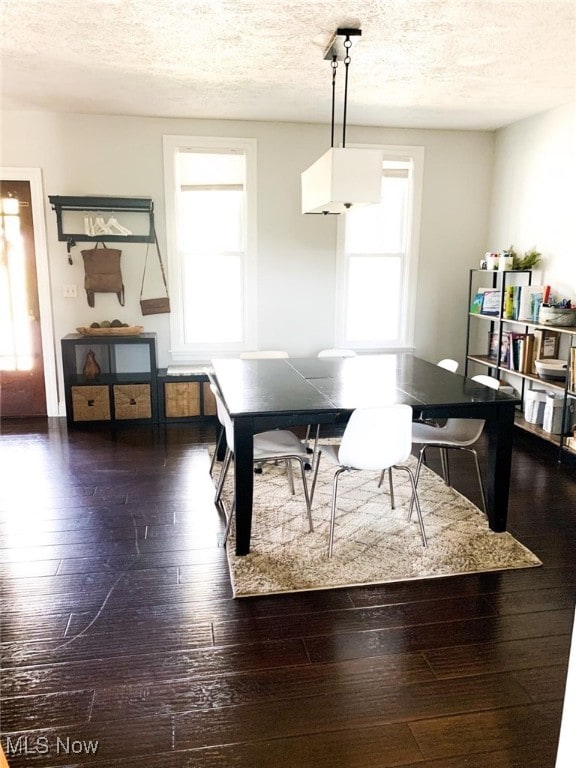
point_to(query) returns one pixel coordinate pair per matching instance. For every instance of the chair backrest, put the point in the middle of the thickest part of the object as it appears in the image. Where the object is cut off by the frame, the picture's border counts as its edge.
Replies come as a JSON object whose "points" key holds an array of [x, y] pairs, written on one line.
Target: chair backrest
{"points": [[223, 416], [488, 381], [377, 438], [264, 354], [448, 364], [337, 353]]}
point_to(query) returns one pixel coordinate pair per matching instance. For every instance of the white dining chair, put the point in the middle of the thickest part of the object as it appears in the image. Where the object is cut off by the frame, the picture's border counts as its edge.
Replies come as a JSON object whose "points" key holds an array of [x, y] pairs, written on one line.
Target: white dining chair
{"points": [[274, 445], [335, 352], [374, 439], [448, 364], [264, 354], [332, 352], [455, 434]]}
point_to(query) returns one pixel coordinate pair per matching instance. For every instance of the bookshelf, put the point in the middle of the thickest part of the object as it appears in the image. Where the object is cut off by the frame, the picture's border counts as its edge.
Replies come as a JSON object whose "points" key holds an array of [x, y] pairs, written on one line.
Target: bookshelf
{"points": [[507, 345]]}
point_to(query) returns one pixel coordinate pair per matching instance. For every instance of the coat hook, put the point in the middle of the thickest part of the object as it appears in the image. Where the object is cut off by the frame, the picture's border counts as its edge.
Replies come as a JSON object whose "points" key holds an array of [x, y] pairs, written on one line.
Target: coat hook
{"points": [[69, 245]]}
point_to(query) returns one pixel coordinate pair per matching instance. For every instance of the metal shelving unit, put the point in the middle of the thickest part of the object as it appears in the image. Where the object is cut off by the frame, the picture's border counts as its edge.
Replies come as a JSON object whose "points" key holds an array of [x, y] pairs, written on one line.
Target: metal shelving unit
{"points": [[496, 324]]}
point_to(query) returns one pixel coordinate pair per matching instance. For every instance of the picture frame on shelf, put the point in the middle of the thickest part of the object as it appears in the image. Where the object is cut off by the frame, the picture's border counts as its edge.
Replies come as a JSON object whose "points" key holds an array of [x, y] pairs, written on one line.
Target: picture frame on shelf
{"points": [[546, 344], [491, 303]]}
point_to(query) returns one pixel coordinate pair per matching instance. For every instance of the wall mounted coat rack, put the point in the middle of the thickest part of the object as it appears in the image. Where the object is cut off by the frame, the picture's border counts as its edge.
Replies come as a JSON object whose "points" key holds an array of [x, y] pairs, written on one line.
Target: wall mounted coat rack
{"points": [[97, 229], [113, 205]]}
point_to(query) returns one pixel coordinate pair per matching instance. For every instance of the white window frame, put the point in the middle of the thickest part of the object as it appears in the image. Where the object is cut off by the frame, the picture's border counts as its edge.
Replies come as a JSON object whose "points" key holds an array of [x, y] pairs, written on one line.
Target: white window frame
{"points": [[179, 349], [405, 340]]}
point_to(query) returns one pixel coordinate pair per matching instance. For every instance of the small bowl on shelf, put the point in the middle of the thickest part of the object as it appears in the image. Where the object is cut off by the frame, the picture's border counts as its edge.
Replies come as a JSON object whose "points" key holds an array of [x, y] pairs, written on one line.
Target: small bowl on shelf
{"points": [[551, 369]]}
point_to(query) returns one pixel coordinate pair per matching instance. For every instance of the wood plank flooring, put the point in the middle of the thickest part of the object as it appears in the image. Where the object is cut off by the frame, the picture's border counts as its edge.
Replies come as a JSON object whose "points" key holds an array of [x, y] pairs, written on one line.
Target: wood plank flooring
{"points": [[121, 644]]}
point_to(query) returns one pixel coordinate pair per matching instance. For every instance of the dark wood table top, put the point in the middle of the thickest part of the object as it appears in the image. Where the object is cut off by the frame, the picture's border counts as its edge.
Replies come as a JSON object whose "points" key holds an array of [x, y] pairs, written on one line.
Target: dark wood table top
{"points": [[253, 387]]}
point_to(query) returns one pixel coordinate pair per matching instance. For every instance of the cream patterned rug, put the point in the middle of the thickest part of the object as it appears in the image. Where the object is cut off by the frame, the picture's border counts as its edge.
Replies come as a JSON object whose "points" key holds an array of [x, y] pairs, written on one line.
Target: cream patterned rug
{"points": [[373, 544]]}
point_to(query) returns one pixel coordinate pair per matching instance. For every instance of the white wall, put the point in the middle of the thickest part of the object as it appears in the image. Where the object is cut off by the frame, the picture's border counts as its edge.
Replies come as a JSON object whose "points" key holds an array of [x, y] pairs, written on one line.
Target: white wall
{"points": [[533, 205], [534, 193], [102, 155]]}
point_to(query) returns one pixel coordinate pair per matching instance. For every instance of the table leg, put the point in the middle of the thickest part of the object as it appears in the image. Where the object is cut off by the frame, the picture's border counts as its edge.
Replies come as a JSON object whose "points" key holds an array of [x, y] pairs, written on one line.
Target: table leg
{"points": [[500, 427], [243, 482]]}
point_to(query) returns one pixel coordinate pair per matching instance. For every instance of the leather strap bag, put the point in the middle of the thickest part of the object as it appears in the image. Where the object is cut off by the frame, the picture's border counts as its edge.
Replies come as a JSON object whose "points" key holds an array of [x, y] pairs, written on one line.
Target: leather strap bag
{"points": [[102, 272], [159, 306]]}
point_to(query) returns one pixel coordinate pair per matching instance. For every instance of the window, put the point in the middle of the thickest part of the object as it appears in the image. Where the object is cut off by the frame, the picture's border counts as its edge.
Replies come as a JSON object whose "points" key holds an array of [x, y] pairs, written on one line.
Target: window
{"points": [[210, 214], [377, 259]]}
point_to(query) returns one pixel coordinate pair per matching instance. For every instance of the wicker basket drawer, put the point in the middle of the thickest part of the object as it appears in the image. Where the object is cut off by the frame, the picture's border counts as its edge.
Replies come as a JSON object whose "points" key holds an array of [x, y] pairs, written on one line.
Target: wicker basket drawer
{"points": [[182, 399], [209, 400], [132, 401], [90, 403]]}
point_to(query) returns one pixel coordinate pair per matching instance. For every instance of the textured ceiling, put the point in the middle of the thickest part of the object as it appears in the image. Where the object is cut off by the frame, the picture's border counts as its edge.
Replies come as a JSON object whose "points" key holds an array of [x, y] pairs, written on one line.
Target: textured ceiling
{"points": [[419, 63]]}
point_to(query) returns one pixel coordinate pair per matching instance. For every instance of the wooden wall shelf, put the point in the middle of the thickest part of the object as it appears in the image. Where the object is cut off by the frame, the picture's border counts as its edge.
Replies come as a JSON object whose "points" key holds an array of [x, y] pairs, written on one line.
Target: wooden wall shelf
{"points": [[143, 205]]}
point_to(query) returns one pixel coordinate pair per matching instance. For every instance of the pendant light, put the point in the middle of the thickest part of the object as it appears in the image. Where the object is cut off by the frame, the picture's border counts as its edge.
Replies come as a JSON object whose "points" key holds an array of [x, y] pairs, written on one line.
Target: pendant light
{"points": [[344, 176]]}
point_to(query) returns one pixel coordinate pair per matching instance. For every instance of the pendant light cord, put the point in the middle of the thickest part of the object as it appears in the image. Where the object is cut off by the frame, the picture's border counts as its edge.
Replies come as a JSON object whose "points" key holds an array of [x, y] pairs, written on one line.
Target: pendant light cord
{"points": [[334, 65], [347, 45]]}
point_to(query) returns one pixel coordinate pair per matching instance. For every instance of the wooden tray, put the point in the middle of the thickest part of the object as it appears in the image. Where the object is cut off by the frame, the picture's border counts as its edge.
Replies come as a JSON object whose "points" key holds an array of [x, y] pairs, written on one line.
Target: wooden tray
{"points": [[130, 330]]}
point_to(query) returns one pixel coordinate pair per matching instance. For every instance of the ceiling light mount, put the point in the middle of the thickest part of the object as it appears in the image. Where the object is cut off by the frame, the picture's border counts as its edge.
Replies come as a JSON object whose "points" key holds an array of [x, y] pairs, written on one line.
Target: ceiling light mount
{"points": [[343, 176], [339, 45]]}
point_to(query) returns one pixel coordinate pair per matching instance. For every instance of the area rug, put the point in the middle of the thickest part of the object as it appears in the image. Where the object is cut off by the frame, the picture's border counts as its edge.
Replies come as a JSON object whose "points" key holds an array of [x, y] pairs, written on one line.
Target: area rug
{"points": [[373, 543]]}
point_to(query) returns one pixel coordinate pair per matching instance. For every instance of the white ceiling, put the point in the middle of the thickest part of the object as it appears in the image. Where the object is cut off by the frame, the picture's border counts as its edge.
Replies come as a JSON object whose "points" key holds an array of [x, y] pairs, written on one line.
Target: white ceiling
{"points": [[462, 64]]}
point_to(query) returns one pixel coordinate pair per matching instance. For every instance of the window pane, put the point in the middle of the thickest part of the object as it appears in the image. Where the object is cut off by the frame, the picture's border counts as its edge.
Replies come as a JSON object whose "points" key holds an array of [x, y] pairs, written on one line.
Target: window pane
{"points": [[211, 221], [380, 228], [212, 299], [211, 188], [374, 298]]}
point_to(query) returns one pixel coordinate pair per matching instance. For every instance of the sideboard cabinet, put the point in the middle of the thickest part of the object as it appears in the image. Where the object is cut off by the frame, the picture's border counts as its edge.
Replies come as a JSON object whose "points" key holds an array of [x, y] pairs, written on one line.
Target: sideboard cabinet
{"points": [[124, 388]]}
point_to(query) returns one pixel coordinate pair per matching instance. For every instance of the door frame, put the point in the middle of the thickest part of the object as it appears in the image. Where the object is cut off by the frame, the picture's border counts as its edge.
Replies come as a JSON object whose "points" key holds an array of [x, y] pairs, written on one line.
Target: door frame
{"points": [[34, 177]]}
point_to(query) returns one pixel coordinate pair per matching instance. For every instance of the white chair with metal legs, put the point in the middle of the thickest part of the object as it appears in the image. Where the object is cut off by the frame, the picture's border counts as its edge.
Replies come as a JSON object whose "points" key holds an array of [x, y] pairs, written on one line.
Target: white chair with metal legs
{"points": [[221, 436], [455, 434], [448, 364], [275, 445], [264, 354], [374, 439], [334, 352]]}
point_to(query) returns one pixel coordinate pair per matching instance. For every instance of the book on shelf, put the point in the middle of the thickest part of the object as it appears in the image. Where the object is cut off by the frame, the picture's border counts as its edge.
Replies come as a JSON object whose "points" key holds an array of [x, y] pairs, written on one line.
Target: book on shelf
{"points": [[502, 354], [516, 350], [528, 354], [572, 370], [522, 352], [490, 302], [517, 341], [493, 346], [477, 301], [506, 349], [530, 300], [512, 302]]}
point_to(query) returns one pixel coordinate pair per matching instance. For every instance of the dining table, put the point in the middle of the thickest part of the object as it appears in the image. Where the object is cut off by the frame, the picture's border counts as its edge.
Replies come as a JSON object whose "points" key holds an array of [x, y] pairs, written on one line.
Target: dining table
{"points": [[295, 392]]}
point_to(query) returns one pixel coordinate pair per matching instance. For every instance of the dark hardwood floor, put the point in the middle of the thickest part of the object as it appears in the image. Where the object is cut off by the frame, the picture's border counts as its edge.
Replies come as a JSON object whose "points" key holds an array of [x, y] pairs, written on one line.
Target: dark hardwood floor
{"points": [[122, 645]]}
